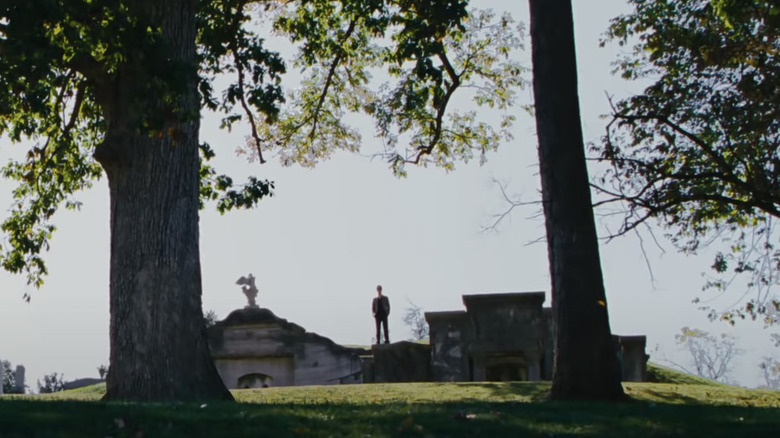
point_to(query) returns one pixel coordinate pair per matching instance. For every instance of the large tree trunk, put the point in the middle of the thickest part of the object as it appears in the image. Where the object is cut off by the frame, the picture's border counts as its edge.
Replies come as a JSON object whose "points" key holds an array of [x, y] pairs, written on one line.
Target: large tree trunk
{"points": [[157, 334], [586, 366]]}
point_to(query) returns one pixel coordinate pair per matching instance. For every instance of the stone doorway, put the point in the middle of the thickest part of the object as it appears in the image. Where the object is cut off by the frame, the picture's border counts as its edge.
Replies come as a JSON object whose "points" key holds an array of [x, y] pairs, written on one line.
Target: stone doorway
{"points": [[505, 368], [254, 380]]}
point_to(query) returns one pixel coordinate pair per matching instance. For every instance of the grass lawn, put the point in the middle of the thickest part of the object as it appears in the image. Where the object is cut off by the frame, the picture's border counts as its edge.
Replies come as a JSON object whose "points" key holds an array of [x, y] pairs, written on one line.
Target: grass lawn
{"points": [[676, 408]]}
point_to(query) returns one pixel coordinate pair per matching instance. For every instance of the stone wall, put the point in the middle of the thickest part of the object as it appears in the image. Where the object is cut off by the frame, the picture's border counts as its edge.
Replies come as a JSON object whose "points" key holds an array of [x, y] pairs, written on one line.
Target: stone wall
{"points": [[451, 335], [402, 362]]}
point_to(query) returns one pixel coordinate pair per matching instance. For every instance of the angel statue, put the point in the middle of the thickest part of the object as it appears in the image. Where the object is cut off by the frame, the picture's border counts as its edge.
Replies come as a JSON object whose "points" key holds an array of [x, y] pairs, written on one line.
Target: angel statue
{"points": [[249, 289]]}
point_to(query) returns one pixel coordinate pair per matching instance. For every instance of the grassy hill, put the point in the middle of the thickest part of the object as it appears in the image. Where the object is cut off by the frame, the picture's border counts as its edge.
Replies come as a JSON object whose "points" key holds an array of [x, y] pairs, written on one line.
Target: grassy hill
{"points": [[680, 407], [661, 374]]}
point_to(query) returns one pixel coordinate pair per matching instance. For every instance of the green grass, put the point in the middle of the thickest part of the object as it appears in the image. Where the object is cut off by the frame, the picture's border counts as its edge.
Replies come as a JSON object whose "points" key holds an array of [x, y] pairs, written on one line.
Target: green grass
{"points": [[661, 374], [405, 409]]}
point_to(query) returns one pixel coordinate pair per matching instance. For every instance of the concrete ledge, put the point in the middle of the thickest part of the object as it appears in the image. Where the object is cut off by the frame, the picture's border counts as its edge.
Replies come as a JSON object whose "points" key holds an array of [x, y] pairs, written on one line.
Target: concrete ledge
{"points": [[435, 317], [498, 299]]}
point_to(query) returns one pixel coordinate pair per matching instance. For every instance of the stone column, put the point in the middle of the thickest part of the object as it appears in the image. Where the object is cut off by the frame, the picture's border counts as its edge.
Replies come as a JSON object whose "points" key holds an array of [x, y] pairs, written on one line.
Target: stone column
{"points": [[634, 358], [19, 379], [450, 335], [534, 370], [479, 368]]}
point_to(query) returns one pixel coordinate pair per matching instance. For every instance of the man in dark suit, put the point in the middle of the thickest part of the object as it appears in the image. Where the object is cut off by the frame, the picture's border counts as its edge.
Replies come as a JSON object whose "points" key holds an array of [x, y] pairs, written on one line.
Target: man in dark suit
{"points": [[380, 307]]}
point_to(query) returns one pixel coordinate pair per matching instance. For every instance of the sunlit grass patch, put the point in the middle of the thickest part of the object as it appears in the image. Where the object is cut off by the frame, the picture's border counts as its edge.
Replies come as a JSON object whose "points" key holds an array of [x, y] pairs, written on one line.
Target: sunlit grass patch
{"points": [[427, 392]]}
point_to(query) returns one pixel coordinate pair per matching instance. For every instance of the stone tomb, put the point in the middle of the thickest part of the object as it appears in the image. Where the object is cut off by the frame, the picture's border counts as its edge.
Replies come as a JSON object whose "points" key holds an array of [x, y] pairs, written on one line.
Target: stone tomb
{"points": [[253, 348], [505, 337], [399, 362], [19, 378]]}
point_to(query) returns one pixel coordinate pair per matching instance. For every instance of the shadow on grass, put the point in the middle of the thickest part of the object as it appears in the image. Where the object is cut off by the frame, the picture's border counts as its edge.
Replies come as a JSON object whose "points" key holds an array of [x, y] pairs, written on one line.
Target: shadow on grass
{"points": [[671, 397], [27, 418]]}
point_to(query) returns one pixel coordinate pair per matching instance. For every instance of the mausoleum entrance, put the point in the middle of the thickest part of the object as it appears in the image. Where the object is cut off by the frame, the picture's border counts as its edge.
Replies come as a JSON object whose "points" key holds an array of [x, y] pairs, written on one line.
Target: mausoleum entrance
{"points": [[254, 380], [505, 368]]}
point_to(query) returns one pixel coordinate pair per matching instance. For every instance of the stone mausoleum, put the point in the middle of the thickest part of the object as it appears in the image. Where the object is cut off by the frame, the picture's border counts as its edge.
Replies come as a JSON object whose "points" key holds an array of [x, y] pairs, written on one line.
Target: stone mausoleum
{"points": [[253, 348], [508, 336], [499, 337]]}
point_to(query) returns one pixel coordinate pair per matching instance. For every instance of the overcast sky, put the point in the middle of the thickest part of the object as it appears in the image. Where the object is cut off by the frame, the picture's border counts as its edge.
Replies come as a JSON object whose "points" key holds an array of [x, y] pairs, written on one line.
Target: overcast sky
{"points": [[329, 235]]}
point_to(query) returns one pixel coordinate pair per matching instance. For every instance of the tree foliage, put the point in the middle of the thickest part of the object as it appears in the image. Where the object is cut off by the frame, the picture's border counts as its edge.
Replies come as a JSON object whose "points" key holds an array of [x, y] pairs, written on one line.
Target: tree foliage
{"points": [[210, 318], [51, 383], [9, 377], [711, 355], [699, 149], [58, 61], [102, 371], [415, 320], [400, 63]]}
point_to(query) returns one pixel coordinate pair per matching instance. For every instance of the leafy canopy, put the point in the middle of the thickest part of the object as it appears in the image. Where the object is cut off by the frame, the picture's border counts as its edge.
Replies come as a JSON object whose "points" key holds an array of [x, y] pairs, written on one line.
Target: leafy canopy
{"points": [[58, 59], [699, 149], [399, 63]]}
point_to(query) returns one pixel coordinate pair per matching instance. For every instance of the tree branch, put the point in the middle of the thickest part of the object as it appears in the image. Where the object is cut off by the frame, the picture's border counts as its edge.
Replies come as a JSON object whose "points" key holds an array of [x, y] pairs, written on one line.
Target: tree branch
{"points": [[763, 199], [329, 80], [89, 67], [315, 114], [233, 45], [498, 218], [440, 111]]}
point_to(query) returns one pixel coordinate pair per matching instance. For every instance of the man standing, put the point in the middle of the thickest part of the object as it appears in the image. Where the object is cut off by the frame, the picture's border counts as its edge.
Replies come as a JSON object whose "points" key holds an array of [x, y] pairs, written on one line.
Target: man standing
{"points": [[381, 309]]}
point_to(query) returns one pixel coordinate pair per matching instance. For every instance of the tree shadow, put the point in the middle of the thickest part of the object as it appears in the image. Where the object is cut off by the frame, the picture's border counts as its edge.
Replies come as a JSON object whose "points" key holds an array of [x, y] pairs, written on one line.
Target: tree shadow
{"points": [[672, 398], [29, 418]]}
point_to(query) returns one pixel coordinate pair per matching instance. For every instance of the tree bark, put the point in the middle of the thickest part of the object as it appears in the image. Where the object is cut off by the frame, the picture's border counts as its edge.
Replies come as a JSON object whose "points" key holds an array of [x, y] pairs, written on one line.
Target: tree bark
{"points": [[157, 334], [586, 366]]}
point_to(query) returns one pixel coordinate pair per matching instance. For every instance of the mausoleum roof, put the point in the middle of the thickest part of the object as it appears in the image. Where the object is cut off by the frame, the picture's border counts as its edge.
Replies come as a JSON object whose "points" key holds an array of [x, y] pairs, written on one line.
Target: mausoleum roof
{"points": [[250, 316]]}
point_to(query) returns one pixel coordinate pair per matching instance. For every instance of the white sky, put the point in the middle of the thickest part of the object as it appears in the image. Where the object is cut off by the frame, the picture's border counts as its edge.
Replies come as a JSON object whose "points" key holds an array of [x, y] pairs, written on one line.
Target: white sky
{"points": [[329, 235]]}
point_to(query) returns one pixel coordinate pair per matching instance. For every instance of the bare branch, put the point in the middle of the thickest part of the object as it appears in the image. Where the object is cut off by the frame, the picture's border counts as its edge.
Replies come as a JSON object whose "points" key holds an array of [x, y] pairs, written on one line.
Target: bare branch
{"points": [[499, 217], [648, 265], [540, 239]]}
